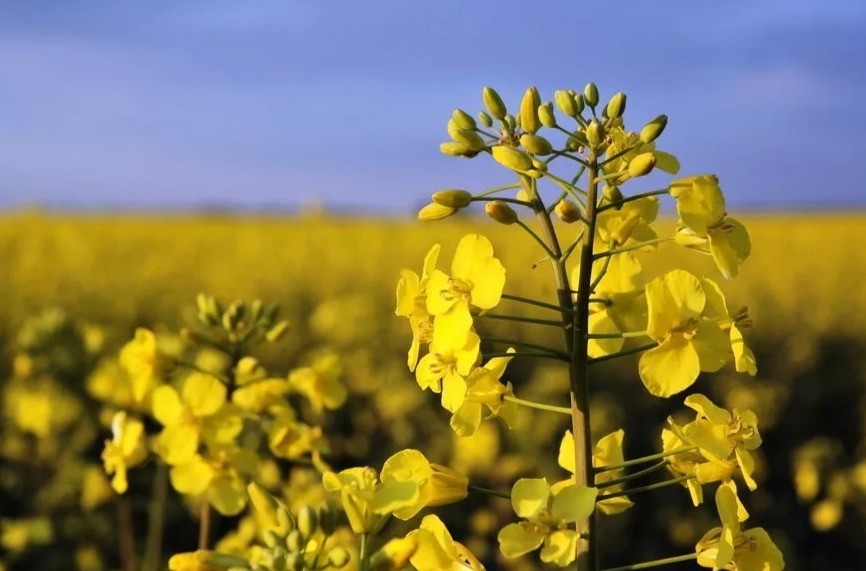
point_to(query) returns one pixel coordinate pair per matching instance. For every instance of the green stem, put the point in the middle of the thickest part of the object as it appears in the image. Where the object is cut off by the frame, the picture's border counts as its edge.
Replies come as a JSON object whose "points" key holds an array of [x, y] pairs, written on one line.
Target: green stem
{"points": [[545, 355], [579, 174], [600, 276], [538, 405], [553, 204], [499, 199], [649, 488], [156, 520], [490, 191], [599, 300], [609, 176], [570, 156], [629, 477], [534, 302], [363, 556], [619, 203], [567, 253], [619, 154], [654, 563], [489, 492], [645, 459], [623, 335], [569, 188], [535, 237], [625, 353], [520, 319], [637, 246], [204, 526], [523, 344]]}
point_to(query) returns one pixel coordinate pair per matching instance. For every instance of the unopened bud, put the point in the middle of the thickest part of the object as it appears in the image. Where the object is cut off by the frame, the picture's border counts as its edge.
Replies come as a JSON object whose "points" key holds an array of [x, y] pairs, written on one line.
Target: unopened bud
{"points": [[294, 541], [653, 129], [641, 165], [277, 332], [536, 144], [470, 139], [590, 94], [434, 211], [529, 110], [463, 119], [568, 211], [595, 133], [611, 193], [546, 114], [256, 309], [454, 149], [485, 119], [453, 198], [500, 212], [616, 106], [511, 158], [493, 103], [576, 141], [285, 519], [510, 122], [338, 557], [271, 538], [308, 521], [566, 103]]}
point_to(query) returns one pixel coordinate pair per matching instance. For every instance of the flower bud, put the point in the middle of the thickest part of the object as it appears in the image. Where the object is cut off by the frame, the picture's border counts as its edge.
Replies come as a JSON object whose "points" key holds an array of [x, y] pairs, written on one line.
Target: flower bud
{"points": [[595, 133], [294, 541], [510, 122], [536, 144], [611, 193], [641, 165], [463, 119], [616, 106], [271, 538], [285, 519], [256, 309], [470, 139], [434, 211], [308, 521], [653, 129], [493, 103], [576, 141], [500, 212], [590, 94], [511, 158], [453, 198], [454, 149], [338, 557], [394, 555], [568, 211], [578, 99], [277, 332], [529, 110], [485, 119], [546, 114], [265, 504], [566, 103]]}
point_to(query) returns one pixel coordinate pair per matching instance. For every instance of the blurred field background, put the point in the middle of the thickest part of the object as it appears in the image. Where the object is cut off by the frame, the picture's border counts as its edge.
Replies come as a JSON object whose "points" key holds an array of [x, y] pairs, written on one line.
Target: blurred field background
{"points": [[335, 276]]}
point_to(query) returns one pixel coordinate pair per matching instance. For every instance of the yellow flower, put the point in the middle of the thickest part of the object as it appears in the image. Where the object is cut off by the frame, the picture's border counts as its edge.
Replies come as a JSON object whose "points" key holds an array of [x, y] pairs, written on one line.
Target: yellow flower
{"points": [[729, 547], [412, 303], [477, 279], [629, 224], [608, 451], [438, 485], [143, 362], [320, 382], [688, 342], [622, 140], [484, 390], [204, 560], [358, 488], [291, 439], [693, 463], [704, 223], [717, 310], [125, 450], [444, 369], [722, 436], [437, 551], [547, 517], [198, 410], [221, 476], [394, 555]]}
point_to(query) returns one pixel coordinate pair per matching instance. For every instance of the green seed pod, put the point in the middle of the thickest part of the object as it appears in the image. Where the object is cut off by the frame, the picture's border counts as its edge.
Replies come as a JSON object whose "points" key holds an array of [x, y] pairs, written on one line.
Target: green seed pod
{"points": [[434, 211], [493, 103], [308, 521], [470, 139], [485, 119], [611, 193], [566, 102], [501, 212], [536, 144], [510, 122], [641, 165], [590, 94], [653, 129], [338, 557], [529, 110], [454, 149], [277, 332], [568, 211], [546, 114], [616, 106], [463, 119], [453, 197], [595, 133], [511, 158]]}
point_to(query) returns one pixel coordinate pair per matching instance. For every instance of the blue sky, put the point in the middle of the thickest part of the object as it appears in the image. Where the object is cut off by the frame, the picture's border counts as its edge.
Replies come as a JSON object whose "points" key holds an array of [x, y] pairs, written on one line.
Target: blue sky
{"points": [[283, 103]]}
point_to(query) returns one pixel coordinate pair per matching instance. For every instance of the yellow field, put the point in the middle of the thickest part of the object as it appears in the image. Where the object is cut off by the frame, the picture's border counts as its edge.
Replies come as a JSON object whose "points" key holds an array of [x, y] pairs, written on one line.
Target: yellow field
{"points": [[806, 272]]}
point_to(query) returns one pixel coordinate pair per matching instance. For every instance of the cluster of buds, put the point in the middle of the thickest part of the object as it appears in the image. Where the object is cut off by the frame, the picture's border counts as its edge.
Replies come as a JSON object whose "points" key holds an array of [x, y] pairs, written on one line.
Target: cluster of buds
{"points": [[237, 322]]}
